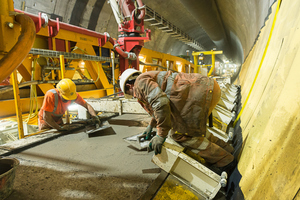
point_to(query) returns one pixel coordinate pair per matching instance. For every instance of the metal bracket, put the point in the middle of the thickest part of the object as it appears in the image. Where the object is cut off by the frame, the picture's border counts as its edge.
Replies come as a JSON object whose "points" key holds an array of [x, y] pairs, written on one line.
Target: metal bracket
{"points": [[53, 30]]}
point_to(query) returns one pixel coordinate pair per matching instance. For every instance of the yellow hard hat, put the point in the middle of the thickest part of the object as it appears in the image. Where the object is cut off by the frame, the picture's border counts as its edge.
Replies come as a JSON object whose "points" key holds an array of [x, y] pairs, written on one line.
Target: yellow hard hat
{"points": [[67, 88]]}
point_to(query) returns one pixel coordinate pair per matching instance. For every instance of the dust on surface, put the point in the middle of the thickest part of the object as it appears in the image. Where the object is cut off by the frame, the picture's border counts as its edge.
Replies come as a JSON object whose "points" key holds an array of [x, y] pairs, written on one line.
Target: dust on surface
{"points": [[75, 166], [40, 183]]}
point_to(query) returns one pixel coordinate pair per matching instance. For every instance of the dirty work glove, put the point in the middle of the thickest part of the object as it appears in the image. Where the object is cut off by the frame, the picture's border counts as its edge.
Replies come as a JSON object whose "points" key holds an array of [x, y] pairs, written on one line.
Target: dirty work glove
{"points": [[156, 144], [96, 120], [65, 127], [148, 132]]}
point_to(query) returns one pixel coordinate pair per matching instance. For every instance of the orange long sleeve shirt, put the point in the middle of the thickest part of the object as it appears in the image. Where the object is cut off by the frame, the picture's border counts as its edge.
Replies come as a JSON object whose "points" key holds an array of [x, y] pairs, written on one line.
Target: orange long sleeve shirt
{"points": [[49, 104]]}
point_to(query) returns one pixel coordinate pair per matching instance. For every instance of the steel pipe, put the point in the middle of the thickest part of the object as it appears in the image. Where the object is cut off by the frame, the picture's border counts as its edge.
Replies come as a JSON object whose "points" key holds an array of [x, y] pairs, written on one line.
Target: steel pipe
{"points": [[20, 50], [142, 10]]}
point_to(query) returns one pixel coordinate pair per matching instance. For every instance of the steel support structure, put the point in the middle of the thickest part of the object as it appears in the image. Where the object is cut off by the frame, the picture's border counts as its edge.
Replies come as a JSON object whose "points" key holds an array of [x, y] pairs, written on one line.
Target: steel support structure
{"points": [[17, 104], [212, 53]]}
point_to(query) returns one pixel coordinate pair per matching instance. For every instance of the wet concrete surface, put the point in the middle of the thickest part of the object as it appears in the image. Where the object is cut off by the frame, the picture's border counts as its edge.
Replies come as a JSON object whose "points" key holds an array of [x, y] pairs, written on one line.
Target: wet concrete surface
{"points": [[76, 166]]}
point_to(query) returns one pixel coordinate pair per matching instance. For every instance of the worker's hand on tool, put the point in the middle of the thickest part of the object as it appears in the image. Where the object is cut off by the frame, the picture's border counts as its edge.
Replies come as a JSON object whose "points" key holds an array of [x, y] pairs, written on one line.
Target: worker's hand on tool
{"points": [[148, 132], [96, 120], [65, 127], [156, 144]]}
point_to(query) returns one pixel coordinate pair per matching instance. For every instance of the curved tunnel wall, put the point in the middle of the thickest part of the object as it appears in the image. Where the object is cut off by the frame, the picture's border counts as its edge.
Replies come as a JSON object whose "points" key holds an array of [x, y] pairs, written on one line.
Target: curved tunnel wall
{"points": [[241, 19], [270, 123]]}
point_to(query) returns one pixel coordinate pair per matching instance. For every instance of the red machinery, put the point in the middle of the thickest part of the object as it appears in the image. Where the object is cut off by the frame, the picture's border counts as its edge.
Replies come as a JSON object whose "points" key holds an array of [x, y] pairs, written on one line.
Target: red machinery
{"points": [[130, 17]]}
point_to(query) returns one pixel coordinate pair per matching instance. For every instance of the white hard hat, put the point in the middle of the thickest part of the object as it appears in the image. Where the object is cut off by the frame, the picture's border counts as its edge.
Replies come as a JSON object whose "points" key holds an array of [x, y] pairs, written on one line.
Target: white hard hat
{"points": [[125, 76]]}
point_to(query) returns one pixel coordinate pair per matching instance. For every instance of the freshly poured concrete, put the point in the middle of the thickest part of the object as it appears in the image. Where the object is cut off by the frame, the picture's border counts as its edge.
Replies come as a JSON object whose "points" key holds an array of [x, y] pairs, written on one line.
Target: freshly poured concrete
{"points": [[75, 166]]}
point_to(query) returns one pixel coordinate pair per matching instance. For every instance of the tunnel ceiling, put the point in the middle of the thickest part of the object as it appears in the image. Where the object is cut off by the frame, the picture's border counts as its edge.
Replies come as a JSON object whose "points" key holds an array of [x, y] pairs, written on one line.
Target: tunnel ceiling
{"points": [[228, 25]]}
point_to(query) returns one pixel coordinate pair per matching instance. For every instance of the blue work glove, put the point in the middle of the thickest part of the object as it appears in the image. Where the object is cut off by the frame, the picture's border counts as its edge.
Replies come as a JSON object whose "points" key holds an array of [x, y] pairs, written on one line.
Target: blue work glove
{"points": [[148, 131], [156, 144]]}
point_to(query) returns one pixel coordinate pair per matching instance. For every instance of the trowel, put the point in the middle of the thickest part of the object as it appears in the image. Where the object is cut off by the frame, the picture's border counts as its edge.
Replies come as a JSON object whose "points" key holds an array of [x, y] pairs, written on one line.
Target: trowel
{"points": [[139, 141], [101, 131], [98, 130]]}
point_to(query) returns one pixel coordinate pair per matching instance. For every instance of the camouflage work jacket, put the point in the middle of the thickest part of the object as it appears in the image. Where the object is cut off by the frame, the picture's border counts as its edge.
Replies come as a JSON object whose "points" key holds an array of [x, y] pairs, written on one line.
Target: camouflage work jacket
{"points": [[175, 100]]}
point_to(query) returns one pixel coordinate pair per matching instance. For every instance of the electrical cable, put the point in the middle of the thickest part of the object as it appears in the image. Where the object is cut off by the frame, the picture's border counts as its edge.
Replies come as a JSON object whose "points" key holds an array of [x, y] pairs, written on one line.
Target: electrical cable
{"points": [[261, 62]]}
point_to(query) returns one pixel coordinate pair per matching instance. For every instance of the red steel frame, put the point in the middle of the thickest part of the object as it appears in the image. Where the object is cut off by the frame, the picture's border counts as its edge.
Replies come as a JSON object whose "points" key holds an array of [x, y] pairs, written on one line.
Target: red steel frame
{"points": [[123, 46]]}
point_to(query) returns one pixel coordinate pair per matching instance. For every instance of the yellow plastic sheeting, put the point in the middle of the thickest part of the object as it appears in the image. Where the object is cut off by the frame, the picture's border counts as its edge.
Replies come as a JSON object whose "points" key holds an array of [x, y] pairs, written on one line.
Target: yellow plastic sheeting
{"points": [[172, 188], [269, 161]]}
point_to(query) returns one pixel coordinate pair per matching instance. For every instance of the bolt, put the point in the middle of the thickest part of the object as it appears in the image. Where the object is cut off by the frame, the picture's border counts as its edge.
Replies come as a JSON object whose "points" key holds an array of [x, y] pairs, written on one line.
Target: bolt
{"points": [[223, 182], [230, 135], [10, 25], [224, 175]]}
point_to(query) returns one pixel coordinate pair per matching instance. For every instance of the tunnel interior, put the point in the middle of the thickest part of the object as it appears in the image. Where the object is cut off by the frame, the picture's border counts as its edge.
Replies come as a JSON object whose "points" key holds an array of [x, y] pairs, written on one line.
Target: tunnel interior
{"points": [[260, 38]]}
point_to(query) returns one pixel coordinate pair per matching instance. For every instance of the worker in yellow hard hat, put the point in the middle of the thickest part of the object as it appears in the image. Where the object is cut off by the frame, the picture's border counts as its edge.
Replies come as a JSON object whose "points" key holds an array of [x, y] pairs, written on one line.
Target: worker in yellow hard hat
{"points": [[56, 102]]}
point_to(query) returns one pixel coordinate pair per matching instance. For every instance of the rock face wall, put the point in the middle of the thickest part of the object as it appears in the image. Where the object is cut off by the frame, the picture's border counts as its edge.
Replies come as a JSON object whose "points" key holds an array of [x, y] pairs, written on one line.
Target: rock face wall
{"points": [[270, 122]]}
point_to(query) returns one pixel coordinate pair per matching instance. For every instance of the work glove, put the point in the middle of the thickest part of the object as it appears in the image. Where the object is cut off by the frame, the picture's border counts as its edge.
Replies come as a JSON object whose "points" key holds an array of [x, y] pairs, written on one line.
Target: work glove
{"points": [[65, 127], [96, 120], [156, 144], [148, 132]]}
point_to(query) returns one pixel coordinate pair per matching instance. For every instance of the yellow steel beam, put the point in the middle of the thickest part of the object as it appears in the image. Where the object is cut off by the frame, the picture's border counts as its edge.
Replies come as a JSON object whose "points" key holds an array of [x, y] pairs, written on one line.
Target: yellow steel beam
{"points": [[75, 37], [150, 54], [25, 71], [7, 27], [196, 64], [20, 50], [100, 78], [17, 104], [62, 66], [8, 106], [6, 7], [62, 72], [212, 52], [212, 64]]}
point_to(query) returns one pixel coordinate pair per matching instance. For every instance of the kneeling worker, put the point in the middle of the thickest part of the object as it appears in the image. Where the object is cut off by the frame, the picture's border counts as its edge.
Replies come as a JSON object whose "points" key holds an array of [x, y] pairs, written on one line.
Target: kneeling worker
{"points": [[56, 102], [179, 103]]}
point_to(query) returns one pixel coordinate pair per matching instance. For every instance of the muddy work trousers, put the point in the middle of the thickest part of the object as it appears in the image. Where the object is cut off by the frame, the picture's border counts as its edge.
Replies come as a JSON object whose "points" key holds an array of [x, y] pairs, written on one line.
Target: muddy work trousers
{"points": [[214, 150]]}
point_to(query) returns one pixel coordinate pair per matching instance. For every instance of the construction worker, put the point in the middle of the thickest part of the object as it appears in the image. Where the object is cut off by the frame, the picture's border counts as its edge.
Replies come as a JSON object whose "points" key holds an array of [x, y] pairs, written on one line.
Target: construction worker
{"points": [[179, 104], [56, 102]]}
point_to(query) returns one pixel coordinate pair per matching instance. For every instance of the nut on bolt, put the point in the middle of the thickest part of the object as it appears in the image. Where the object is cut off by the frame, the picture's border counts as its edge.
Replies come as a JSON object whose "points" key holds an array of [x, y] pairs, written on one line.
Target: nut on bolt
{"points": [[223, 182], [10, 25]]}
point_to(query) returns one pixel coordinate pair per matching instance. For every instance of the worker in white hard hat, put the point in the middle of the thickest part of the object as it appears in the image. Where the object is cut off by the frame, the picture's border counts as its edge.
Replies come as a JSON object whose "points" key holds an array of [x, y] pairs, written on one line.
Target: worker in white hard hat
{"points": [[56, 102], [179, 104]]}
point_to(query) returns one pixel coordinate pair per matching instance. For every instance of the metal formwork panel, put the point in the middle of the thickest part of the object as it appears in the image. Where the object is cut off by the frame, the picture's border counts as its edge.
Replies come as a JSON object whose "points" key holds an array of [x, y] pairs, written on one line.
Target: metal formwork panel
{"points": [[218, 133], [229, 91], [117, 106], [221, 115], [226, 104], [189, 171], [228, 97]]}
